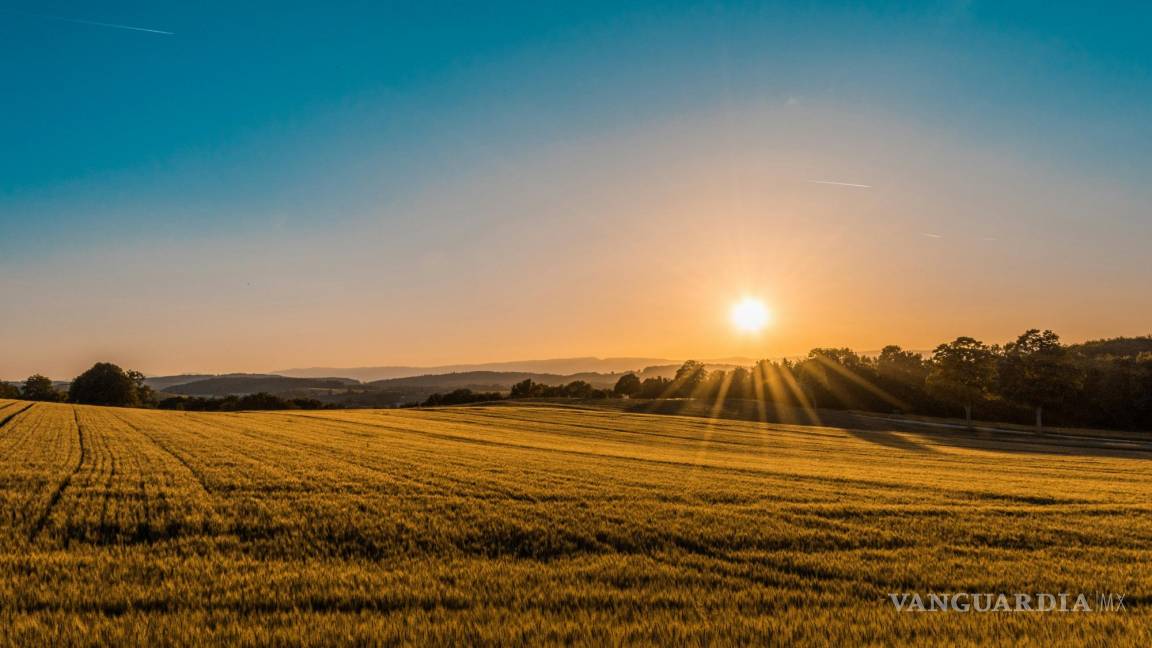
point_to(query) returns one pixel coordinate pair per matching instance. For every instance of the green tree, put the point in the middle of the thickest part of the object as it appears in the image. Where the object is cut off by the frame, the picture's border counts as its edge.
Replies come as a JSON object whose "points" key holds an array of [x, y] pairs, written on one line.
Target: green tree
{"points": [[39, 388], [627, 385], [105, 384], [1038, 371], [963, 371]]}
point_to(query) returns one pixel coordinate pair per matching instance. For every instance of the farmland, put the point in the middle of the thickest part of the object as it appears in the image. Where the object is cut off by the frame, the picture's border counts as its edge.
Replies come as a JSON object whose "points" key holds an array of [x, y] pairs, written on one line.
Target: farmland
{"points": [[527, 524]]}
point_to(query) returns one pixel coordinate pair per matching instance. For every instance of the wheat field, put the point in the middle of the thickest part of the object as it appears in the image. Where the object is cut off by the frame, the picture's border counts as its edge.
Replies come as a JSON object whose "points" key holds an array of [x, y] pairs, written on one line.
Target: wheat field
{"points": [[507, 525]]}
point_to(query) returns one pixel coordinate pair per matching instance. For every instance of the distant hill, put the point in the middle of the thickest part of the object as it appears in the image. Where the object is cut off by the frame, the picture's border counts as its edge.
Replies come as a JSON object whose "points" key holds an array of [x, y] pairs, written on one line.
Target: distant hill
{"points": [[164, 383], [494, 379], [380, 393], [160, 383], [1126, 347], [251, 384], [415, 389], [417, 383], [560, 367]]}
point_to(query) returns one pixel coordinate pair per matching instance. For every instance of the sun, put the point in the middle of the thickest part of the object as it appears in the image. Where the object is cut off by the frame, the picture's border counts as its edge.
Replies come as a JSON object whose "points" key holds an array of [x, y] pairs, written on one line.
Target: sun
{"points": [[750, 315]]}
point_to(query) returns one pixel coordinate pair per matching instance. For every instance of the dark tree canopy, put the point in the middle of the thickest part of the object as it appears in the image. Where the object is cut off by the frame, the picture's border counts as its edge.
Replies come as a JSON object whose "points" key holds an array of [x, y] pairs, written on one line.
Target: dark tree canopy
{"points": [[105, 384], [528, 389], [579, 389], [656, 387], [1037, 370], [628, 385], [843, 379], [523, 389], [39, 388], [688, 378], [460, 397], [963, 372], [736, 384], [144, 393], [257, 401], [898, 365]]}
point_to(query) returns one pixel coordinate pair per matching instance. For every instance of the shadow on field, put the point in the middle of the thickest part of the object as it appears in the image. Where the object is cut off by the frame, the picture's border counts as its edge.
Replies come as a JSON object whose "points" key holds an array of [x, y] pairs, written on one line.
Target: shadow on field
{"points": [[889, 439]]}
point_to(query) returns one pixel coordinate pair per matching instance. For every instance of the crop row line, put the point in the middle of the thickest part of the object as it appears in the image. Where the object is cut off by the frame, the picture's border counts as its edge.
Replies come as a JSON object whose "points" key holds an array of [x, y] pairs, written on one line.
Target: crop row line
{"points": [[57, 494], [13, 415]]}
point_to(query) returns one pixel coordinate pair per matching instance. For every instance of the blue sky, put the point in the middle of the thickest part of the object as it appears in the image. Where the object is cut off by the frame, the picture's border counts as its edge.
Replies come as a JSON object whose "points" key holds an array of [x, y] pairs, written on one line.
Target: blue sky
{"points": [[255, 130]]}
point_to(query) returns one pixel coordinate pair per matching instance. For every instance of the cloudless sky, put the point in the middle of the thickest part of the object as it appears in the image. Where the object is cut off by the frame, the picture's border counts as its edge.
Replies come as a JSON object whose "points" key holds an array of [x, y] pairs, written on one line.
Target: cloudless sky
{"points": [[295, 184]]}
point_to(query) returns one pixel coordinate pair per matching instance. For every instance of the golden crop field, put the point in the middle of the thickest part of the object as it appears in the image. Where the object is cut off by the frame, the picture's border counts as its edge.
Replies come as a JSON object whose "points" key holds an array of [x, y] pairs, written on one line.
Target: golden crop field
{"points": [[505, 525]]}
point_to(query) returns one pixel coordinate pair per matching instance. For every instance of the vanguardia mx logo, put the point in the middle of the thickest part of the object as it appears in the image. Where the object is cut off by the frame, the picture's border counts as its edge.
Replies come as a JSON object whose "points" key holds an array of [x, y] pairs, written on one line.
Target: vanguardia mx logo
{"points": [[1017, 602]]}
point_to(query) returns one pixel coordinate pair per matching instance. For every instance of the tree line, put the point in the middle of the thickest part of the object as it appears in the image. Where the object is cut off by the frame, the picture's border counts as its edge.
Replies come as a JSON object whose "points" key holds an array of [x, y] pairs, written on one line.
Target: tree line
{"points": [[103, 384], [1035, 377], [108, 384], [526, 388], [247, 402]]}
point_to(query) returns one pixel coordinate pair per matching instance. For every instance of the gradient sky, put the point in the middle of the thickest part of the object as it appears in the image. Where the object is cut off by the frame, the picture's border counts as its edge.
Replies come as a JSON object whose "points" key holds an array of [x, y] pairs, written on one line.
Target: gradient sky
{"points": [[348, 184]]}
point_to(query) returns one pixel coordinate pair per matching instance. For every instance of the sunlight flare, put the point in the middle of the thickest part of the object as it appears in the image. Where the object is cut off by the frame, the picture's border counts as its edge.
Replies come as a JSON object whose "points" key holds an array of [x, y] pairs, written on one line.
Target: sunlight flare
{"points": [[750, 315]]}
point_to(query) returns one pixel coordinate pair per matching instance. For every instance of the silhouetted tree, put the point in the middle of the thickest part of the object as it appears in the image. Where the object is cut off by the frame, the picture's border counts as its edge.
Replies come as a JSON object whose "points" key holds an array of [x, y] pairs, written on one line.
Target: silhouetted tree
{"points": [[261, 401], [656, 387], [522, 389], [1038, 371], [739, 384], [903, 374], [688, 378], [104, 384], [842, 379], [8, 390], [578, 389], [627, 385], [900, 366], [962, 372], [460, 397], [39, 388], [776, 382], [1117, 391], [144, 393], [713, 386]]}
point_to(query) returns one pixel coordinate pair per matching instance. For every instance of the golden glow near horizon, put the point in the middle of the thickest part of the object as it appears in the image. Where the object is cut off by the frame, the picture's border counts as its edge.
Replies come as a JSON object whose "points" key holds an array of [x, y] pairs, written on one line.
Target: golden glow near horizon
{"points": [[728, 191], [750, 315]]}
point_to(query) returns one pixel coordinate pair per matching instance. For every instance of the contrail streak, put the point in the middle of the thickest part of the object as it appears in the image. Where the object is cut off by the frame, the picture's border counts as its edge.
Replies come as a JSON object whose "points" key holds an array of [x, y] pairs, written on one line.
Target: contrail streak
{"points": [[841, 184], [78, 21]]}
